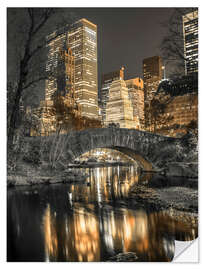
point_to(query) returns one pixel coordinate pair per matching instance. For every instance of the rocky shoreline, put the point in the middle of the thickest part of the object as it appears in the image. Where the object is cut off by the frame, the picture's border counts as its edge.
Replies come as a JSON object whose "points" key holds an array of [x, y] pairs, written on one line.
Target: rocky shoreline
{"points": [[181, 169], [176, 199], [26, 180]]}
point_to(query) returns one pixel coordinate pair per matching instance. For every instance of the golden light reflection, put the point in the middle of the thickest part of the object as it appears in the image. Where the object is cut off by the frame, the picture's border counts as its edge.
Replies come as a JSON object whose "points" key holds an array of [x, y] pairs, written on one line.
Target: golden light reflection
{"points": [[79, 234], [51, 241], [126, 229], [86, 236], [103, 183]]}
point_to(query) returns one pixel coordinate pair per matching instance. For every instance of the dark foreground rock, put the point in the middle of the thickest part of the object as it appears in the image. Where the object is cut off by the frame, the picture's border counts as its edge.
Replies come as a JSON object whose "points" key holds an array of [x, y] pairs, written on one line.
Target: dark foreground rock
{"points": [[124, 257]]}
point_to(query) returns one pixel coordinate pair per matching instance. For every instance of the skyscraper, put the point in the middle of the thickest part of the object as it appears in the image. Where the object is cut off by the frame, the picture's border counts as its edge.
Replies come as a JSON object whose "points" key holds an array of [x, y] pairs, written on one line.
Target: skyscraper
{"points": [[56, 43], [119, 109], [82, 39], [136, 93], [66, 74], [152, 75], [190, 33], [107, 80], [80, 42]]}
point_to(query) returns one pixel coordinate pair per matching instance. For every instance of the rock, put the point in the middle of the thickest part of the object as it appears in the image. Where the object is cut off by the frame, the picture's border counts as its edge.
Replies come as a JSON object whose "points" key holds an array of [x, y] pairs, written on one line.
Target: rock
{"points": [[11, 183], [181, 169], [124, 257], [17, 180]]}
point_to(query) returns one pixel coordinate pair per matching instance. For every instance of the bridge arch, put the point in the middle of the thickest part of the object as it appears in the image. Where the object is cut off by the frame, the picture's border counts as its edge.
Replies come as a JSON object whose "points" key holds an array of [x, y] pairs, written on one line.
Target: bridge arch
{"points": [[142, 146], [133, 155]]}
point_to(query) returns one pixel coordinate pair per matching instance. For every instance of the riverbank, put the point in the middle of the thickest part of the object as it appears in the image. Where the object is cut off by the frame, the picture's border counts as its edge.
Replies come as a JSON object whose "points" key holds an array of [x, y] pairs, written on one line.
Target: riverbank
{"points": [[181, 169], [30, 176], [180, 198]]}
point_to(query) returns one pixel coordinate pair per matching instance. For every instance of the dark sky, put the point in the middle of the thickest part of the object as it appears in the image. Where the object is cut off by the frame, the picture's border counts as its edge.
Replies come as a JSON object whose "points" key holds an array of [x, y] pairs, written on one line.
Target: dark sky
{"points": [[126, 36]]}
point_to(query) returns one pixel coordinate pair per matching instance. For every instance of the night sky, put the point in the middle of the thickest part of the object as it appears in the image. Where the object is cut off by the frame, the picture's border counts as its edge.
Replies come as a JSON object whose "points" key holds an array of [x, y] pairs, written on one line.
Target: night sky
{"points": [[126, 36]]}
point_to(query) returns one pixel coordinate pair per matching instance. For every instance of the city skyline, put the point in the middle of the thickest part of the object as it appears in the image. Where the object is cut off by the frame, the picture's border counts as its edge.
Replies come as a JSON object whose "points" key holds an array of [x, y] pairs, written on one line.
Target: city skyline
{"points": [[80, 37], [123, 42]]}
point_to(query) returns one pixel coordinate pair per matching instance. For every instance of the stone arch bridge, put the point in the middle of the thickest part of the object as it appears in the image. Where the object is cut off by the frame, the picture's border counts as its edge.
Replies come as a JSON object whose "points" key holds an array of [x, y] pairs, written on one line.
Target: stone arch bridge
{"points": [[146, 148]]}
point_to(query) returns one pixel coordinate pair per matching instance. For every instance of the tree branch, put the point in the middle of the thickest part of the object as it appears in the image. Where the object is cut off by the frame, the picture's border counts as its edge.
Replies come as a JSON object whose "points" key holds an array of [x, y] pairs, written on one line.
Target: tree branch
{"points": [[47, 15], [30, 12], [34, 81], [38, 48]]}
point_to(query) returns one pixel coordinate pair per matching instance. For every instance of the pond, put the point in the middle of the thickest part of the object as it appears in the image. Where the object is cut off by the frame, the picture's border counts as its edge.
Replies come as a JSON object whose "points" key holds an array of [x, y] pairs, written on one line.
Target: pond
{"points": [[89, 222]]}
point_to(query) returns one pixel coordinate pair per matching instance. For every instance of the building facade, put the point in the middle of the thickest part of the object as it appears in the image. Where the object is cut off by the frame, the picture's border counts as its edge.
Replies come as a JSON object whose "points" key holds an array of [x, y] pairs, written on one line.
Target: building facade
{"points": [[136, 94], [56, 43], [119, 109], [152, 75], [180, 109], [77, 68], [107, 80], [190, 33], [72, 66], [82, 39]]}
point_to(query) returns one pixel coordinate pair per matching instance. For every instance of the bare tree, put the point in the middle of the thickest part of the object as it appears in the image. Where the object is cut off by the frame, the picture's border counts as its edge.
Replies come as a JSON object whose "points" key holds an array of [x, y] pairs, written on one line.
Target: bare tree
{"points": [[27, 29]]}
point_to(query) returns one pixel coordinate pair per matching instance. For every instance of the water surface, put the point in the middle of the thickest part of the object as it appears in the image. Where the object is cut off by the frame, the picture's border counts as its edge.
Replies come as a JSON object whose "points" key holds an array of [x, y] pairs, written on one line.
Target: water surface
{"points": [[89, 222]]}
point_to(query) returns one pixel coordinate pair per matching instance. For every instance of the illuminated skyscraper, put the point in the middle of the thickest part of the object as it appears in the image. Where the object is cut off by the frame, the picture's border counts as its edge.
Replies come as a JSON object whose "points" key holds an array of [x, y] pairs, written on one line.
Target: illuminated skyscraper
{"points": [[56, 43], [136, 93], [82, 39], [152, 75], [190, 33], [77, 67], [119, 109], [107, 80]]}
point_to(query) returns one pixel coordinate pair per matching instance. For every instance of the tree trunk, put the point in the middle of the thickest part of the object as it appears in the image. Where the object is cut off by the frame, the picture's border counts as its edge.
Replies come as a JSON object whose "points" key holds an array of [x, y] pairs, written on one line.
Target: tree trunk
{"points": [[14, 116]]}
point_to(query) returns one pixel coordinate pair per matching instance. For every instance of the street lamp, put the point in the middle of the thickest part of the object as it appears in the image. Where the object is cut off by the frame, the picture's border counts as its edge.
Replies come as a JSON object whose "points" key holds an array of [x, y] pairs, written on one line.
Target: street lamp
{"points": [[164, 69]]}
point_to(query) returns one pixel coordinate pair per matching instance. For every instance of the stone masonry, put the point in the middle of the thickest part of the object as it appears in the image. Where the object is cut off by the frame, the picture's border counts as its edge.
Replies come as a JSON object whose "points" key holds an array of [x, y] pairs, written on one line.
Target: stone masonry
{"points": [[147, 148]]}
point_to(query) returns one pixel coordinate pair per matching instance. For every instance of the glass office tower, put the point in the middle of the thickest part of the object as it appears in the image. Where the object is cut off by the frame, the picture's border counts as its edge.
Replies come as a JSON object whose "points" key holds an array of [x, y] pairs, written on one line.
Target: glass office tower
{"points": [[190, 33], [81, 40]]}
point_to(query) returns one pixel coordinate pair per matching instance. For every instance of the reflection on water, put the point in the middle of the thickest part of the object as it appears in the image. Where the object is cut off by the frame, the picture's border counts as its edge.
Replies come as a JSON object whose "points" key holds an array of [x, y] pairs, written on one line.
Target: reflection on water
{"points": [[76, 222], [78, 240], [106, 184]]}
